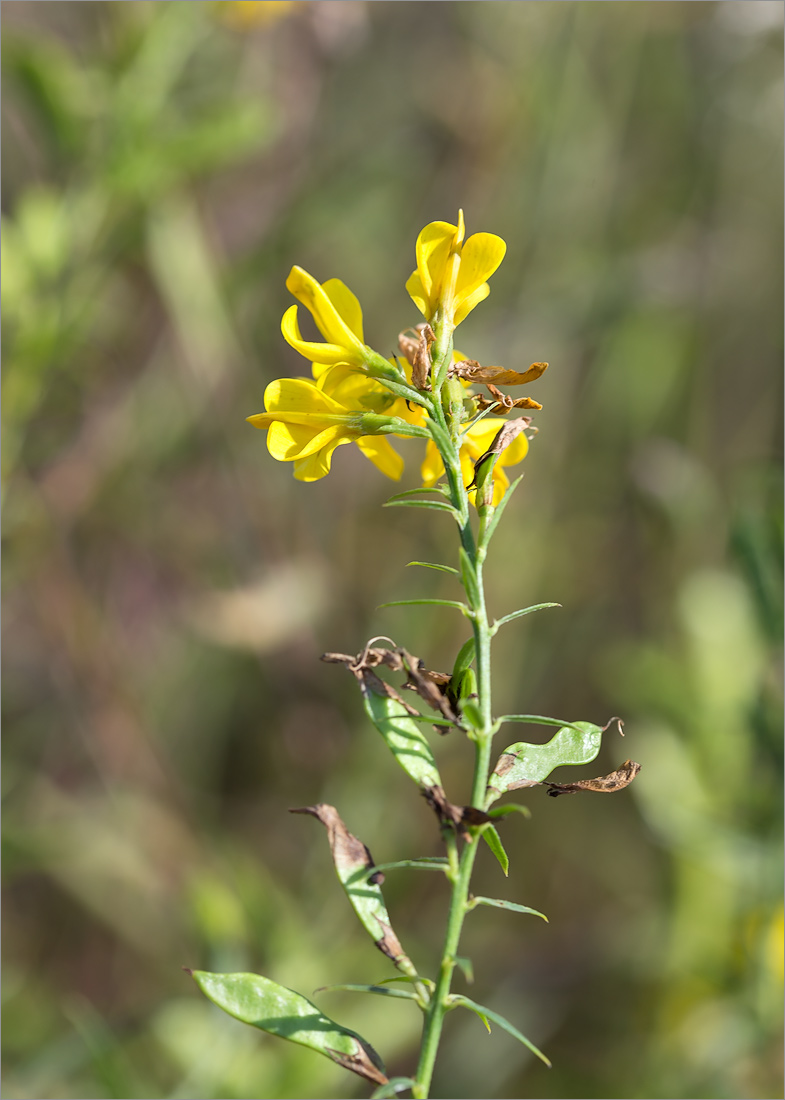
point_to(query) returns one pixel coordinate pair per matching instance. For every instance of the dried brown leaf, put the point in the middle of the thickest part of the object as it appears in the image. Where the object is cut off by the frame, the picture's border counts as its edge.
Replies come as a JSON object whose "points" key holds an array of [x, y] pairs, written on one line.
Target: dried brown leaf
{"points": [[451, 816], [501, 441], [418, 354], [471, 371], [428, 684], [349, 853], [603, 784]]}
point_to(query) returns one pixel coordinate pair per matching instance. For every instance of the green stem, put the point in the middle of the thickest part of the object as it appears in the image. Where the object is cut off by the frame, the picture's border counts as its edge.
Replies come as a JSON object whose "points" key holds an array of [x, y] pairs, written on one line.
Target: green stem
{"points": [[438, 1007]]}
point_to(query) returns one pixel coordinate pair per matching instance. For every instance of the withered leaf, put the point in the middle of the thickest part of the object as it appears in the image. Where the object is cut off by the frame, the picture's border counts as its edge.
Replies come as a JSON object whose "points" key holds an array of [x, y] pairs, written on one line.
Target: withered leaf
{"points": [[501, 441], [472, 371], [349, 853], [418, 354], [352, 859], [428, 684], [502, 403], [604, 784], [452, 816]]}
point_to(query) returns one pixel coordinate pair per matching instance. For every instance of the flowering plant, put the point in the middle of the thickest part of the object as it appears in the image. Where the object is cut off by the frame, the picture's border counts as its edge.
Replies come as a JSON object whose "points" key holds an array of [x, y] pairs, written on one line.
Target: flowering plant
{"points": [[355, 395]]}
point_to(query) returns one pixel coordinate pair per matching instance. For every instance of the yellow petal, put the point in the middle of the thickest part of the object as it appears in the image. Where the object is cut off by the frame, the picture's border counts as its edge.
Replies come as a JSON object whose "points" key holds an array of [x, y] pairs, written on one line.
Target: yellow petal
{"points": [[432, 466], [298, 395], [289, 442], [468, 303], [328, 320], [480, 256], [382, 454], [432, 250], [347, 305], [316, 466], [311, 349], [417, 294]]}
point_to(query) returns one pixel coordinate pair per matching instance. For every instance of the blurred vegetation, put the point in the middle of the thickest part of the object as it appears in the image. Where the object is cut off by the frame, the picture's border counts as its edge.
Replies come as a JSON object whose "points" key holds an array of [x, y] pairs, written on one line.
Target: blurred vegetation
{"points": [[169, 588]]}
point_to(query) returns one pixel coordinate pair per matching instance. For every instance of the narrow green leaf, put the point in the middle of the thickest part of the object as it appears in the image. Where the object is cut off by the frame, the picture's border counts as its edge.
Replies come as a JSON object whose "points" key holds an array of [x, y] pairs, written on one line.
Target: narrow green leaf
{"points": [[433, 565], [471, 714], [437, 863], [402, 390], [437, 603], [403, 737], [499, 904], [435, 505], [538, 720], [440, 489], [428, 721], [464, 659], [518, 614], [481, 1010], [497, 515], [493, 840], [456, 1001], [465, 967], [392, 1088], [413, 978], [280, 1011], [382, 990], [511, 808], [526, 765], [469, 579]]}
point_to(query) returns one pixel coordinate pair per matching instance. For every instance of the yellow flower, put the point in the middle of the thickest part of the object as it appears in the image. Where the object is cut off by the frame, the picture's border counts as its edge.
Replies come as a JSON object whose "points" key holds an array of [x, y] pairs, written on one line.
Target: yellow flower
{"points": [[243, 14], [339, 318], [451, 274], [475, 443], [307, 420]]}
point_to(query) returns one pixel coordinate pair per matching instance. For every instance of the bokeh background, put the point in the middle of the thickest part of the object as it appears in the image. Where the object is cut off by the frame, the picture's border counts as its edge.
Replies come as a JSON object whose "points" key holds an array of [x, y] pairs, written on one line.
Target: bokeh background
{"points": [[169, 587]]}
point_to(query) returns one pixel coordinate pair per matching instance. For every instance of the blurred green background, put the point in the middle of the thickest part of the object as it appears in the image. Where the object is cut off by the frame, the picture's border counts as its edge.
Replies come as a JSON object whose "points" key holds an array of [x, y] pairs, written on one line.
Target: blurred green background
{"points": [[169, 587]]}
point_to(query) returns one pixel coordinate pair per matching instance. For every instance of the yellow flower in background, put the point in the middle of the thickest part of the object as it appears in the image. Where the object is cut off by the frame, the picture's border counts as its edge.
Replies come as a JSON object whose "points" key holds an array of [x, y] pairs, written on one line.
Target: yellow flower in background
{"points": [[475, 443], [451, 274], [247, 14], [307, 420]]}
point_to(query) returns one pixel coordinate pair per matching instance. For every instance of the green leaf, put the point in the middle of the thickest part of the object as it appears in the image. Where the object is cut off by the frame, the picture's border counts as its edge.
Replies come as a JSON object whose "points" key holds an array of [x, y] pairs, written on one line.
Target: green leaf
{"points": [[392, 1088], [440, 489], [403, 737], [432, 721], [538, 720], [433, 565], [526, 765], [280, 1011], [427, 863], [404, 391], [435, 505], [458, 999], [497, 515], [511, 808], [464, 659], [413, 978], [518, 614], [382, 990], [437, 603], [455, 1001], [466, 968], [469, 579], [493, 840], [499, 904], [471, 714]]}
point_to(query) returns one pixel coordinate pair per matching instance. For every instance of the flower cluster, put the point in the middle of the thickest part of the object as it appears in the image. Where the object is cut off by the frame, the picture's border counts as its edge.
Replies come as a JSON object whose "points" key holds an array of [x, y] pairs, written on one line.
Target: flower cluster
{"points": [[355, 395]]}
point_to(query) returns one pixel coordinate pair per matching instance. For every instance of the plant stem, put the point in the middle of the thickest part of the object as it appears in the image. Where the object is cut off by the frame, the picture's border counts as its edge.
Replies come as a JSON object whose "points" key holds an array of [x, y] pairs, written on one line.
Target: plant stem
{"points": [[439, 1005]]}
